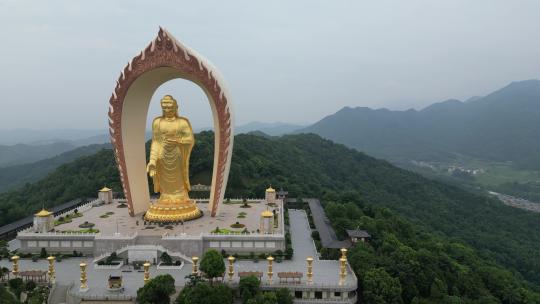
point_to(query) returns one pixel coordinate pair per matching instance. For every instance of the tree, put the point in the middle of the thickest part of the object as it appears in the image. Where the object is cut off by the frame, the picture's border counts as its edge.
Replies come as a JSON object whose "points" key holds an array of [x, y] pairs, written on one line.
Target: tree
{"points": [[4, 251], [157, 290], [264, 298], [248, 287], [43, 253], [30, 285], [284, 296], [6, 296], [166, 259], [212, 264], [289, 253], [202, 292], [381, 288], [16, 285], [3, 272], [438, 290]]}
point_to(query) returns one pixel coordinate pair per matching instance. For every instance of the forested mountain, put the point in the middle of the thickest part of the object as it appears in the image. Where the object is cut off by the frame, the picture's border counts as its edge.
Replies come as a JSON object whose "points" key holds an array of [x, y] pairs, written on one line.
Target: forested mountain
{"points": [[307, 165], [16, 176], [501, 126]]}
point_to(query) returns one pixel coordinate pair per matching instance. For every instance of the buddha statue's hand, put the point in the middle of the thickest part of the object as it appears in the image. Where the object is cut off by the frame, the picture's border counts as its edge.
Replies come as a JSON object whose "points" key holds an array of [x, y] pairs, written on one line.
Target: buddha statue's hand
{"points": [[178, 141], [151, 169], [174, 140]]}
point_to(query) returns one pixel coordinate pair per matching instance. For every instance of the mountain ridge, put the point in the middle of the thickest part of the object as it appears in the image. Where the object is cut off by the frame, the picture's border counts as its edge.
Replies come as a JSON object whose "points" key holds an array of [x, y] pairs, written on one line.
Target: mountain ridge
{"points": [[497, 126]]}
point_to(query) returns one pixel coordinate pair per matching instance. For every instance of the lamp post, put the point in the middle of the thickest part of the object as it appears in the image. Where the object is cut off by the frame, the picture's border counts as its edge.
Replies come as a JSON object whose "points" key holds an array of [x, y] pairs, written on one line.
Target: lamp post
{"points": [[146, 267], [15, 260], [343, 266], [52, 275], [84, 285], [309, 270], [270, 259], [231, 267], [195, 269]]}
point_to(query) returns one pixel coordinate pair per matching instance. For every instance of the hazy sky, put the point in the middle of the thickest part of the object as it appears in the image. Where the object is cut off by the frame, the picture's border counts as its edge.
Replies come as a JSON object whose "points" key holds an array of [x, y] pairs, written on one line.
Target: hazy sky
{"points": [[291, 61]]}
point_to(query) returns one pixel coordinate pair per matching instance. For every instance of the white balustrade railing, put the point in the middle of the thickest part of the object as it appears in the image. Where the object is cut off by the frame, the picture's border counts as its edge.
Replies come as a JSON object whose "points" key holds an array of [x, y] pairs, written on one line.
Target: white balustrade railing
{"points": [[116, 236], [56, 234]]}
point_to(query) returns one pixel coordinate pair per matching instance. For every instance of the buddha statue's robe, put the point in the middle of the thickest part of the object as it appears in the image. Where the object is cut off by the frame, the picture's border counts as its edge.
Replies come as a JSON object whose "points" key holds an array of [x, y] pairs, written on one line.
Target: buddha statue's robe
{"points": [[172, 142]]}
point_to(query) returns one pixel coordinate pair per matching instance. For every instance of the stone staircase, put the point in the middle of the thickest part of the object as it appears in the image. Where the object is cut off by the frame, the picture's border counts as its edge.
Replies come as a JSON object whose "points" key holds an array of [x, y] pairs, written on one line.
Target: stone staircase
{"points": [[146, 247], [58, 294]]}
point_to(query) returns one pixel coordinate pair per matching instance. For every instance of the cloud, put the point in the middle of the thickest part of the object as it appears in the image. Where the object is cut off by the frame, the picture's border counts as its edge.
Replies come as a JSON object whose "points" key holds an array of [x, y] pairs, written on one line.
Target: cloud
{"points": [[302, 59]]}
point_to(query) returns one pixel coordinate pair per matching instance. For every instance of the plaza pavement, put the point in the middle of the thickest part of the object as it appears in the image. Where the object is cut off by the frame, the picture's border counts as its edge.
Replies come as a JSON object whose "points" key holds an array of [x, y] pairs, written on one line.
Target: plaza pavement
{"points": [[121, 221]]}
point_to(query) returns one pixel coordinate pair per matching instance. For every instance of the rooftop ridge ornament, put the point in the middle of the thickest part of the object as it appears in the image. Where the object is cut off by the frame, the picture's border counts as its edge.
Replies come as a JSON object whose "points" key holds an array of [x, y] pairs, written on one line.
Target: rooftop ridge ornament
{"points": [[164, 59]]}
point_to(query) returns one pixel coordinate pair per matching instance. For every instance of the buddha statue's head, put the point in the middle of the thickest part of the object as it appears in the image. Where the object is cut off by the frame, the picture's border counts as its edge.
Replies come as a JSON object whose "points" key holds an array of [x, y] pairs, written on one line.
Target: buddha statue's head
{"points": [[169, 106]]}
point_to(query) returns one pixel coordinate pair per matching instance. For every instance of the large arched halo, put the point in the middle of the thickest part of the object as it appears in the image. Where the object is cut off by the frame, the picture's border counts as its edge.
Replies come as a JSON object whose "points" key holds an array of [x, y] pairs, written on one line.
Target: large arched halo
{"points": [[162, 60]]}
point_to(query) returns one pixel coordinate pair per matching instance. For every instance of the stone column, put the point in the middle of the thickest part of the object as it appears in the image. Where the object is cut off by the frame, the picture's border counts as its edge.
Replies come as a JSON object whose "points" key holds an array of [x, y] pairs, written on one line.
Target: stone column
{"points": [[195, 269], [231, 268], [343, 266], [84, 286], [15, 260], [270, 259], [309, 270], [52, 274], [146, 267]]}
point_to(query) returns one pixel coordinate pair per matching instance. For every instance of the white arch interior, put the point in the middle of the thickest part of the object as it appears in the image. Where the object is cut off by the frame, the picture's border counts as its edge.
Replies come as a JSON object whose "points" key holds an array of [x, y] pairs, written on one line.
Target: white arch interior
{"points": [[134, 116]]}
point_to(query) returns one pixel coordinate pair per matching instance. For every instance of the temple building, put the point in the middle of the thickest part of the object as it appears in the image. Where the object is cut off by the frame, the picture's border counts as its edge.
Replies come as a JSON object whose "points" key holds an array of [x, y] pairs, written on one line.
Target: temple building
{"points": [[105, 195], [282, 194], [358, 235], [43, 221], [270, 195], [267, 222]]}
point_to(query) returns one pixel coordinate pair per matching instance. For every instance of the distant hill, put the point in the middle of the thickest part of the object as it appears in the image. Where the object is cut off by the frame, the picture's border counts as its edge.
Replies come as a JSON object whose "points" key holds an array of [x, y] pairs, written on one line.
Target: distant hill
{"points": [[307, 165], [15, 176], [28, 151], [270, 128], [502, 126], [44, 136], [24, 146], [23, 153]]}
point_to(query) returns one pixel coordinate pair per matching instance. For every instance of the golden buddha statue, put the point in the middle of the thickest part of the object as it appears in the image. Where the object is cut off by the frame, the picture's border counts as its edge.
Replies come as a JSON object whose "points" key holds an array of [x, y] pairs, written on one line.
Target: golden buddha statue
{"points": [[172, 141]]}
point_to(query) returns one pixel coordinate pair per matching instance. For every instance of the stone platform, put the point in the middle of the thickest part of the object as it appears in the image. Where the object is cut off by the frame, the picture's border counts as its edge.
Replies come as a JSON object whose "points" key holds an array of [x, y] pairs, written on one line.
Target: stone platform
{"points": [[121, 220], [119, 231], [325, 287]]}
